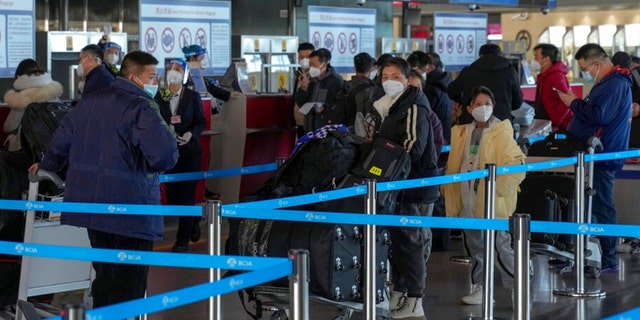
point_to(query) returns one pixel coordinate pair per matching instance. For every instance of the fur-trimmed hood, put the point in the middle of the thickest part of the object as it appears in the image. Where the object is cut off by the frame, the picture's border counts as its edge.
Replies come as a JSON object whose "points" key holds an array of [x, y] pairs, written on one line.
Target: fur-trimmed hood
{"points": [[21, 99]]}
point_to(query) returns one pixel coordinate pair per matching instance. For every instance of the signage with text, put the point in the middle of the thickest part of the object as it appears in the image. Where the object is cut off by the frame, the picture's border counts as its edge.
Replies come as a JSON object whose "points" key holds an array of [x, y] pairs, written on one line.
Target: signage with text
{"points": [[17, 34], [167, 26], [343, 31], [458, 36]]}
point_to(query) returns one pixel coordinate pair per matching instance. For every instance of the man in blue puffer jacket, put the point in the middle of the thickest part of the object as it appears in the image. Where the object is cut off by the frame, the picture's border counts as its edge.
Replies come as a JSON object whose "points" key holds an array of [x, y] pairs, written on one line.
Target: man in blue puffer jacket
{"points": [[115, 144], [605, 113]]}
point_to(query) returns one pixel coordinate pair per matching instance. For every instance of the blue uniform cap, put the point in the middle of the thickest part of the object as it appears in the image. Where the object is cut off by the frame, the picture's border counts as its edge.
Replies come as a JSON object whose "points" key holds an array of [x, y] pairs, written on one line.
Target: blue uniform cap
{"points": [[193, 50], [179, 62], [112, 45]]}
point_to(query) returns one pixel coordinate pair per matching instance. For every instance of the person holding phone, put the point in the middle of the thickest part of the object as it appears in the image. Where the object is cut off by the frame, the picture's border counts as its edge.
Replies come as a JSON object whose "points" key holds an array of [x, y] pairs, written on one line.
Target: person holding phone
{"points": [[605, 113], [552, 78]]}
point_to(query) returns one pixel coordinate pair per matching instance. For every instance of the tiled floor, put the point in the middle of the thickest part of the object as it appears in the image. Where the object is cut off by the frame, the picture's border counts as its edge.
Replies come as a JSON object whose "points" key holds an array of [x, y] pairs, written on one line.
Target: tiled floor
{"points": [[447, 282]]}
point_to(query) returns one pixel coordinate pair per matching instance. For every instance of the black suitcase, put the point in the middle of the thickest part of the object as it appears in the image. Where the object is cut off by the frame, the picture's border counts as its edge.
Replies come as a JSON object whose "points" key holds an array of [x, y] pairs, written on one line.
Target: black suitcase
{"points": [[557, 144], [547, 197]]}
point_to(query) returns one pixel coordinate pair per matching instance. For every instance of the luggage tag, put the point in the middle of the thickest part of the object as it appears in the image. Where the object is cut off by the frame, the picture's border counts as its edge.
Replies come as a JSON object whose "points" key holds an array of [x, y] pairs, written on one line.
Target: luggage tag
{"points": [[176, 119]]}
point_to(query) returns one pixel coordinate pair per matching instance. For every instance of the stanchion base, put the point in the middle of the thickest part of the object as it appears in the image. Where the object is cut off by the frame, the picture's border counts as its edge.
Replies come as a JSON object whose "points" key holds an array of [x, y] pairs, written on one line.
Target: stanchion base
{"points": [[483, 318], [571, 292], [460, 259]]}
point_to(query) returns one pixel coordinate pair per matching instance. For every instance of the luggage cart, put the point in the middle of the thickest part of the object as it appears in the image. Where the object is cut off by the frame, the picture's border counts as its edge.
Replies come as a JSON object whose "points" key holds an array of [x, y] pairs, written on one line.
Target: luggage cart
{"points": [[40, 276], [560, 251]]}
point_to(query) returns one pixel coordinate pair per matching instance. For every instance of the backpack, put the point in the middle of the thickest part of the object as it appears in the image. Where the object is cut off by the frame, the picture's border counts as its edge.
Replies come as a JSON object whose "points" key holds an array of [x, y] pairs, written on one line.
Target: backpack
{"points": [[39, 122], [345, 106], [317, 165]]}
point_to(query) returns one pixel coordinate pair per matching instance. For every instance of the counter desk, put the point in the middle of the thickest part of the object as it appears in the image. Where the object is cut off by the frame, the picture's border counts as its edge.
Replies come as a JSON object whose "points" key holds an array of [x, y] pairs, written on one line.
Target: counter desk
{"points": [[250, 130]]}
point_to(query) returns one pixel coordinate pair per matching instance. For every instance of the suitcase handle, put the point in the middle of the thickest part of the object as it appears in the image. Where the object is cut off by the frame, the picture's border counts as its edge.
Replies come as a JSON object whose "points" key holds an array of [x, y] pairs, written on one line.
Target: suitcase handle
{"points": [[43, 175]]}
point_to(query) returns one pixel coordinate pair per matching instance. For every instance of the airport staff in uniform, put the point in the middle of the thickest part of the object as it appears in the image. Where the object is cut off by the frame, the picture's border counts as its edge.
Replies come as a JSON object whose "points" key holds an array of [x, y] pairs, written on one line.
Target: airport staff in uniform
{"points": [[182, 109]]}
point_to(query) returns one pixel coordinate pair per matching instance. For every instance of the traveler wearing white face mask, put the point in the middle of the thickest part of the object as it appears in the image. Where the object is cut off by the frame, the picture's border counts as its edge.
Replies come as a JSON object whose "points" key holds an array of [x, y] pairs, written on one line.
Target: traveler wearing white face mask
{"points": [[111, 55], [321, 85], [304, 51], [182, 108], [485, 140], [401, 116], [91, 71], [355, 98]]}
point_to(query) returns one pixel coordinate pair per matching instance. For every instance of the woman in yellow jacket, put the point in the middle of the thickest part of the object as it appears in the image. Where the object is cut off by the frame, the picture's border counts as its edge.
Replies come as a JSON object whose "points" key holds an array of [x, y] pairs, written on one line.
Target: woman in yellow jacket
{"points": [[485, 140]]}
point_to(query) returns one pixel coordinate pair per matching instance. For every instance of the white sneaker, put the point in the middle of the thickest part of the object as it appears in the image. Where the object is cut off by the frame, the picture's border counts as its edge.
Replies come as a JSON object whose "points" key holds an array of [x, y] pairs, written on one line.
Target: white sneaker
{"points": [[395, 299], [410, 309], [475, 297]]}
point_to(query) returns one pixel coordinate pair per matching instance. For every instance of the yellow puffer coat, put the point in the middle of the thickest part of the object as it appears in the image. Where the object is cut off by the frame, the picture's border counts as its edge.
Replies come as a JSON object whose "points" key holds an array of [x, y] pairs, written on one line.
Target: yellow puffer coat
{"points": [[497, 146]]}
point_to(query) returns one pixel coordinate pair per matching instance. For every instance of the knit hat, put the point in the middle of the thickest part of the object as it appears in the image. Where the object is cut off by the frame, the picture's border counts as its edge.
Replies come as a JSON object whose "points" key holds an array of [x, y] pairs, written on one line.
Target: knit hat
{"points": [[111, 45], [193, 50]]}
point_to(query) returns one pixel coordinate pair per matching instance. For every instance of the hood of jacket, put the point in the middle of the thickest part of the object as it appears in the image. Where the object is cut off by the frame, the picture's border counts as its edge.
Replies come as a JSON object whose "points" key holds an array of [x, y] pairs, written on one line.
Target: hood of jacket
{"points": [[491, 62], [21, 99], [439, 79]]}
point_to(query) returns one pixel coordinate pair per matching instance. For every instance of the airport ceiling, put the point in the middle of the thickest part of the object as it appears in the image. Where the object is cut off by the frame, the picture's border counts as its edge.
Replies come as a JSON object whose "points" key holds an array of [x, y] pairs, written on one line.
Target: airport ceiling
{"points": [[430, 6]]}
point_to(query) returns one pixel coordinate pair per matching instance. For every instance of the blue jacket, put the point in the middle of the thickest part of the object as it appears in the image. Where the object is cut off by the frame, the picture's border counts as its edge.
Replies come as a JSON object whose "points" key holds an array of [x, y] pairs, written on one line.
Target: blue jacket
{"points": [[99, 78], [607, 109], [115, 144]]}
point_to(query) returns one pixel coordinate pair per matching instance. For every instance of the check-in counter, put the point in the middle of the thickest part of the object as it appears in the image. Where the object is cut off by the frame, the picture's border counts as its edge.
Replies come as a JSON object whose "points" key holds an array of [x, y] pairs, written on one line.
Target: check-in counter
{"points": [[529, 91], [250, 130], [625, 194]]}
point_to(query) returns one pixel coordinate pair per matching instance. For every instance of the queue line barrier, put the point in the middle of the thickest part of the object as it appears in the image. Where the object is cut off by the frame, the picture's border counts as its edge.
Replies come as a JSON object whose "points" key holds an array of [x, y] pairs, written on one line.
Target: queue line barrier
{"points": [[248, 210]]}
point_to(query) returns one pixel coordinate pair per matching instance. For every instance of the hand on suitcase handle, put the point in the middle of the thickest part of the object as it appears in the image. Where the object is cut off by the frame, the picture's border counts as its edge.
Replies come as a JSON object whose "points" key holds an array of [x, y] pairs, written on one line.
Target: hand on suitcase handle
{"points": [[37, 175]]}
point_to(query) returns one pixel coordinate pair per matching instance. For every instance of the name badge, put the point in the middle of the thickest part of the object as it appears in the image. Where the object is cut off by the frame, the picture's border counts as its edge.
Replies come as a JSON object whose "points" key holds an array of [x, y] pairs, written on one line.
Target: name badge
{"points": [[175, 120]]}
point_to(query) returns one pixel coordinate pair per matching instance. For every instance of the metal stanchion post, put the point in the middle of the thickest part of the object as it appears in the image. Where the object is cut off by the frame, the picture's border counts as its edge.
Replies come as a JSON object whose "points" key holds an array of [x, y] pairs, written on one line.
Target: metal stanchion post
{"points": [[370, 265], [73, 312], [299, 284], [521, 233], [578, 256], [489, 243], [212, 210]]}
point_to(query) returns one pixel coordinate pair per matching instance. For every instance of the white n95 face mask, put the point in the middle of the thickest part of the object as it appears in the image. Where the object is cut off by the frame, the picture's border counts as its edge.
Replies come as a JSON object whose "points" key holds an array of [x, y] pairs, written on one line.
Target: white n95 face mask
{"points": [[80, 71], [111, 58], [482, 113], [373, 74], [304, 63], [392, 87], [174, 77], [314, 72]]}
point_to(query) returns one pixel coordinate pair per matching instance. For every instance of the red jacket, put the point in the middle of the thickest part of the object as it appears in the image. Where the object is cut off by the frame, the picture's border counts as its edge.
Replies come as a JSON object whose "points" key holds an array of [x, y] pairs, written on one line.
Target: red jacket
{"points": [[554, 77]]}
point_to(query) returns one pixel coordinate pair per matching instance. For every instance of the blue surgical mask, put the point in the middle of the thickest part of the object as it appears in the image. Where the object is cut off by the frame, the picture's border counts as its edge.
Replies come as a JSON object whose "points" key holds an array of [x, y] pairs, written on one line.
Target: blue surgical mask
{"points": [[151, 89], [587, 76]]}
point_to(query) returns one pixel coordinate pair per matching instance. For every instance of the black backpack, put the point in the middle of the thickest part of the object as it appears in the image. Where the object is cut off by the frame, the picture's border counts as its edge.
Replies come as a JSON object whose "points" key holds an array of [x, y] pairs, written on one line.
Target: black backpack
{"points": [[344, 108], [316, 166], [39, 122]]}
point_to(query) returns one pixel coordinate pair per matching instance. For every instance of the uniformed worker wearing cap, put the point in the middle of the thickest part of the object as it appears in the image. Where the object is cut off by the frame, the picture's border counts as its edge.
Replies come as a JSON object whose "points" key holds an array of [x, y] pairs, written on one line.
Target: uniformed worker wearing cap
{"points": [[111, 52], [196, 53], [182, 108]]}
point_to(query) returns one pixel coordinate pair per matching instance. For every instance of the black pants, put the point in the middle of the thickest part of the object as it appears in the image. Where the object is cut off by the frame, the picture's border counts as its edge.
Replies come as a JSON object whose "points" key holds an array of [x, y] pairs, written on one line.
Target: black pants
{"points": [[117, 282], [184, 193]]}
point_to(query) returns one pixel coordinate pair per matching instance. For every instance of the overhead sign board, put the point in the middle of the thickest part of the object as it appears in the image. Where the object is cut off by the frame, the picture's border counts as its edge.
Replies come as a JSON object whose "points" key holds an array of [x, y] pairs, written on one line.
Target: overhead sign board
{"points": [[457, 37]]}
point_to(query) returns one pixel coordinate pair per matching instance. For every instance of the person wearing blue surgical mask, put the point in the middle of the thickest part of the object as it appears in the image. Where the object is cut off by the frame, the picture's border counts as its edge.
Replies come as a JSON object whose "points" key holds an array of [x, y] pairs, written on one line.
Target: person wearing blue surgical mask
{"points": [[402, 116], [605, 114], [181, 108], [486, 139], [113, 146]]}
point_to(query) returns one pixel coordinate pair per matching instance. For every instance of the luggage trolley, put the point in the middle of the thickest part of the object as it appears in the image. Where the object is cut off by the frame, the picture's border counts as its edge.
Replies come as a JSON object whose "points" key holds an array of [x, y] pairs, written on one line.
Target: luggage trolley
{"points": [[40, 276], [555, 187]]}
